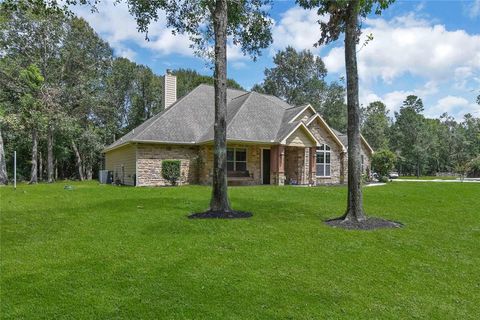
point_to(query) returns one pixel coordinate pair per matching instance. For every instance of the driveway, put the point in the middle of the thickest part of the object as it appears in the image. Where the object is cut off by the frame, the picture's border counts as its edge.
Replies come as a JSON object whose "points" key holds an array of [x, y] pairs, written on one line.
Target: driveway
{"points": [[467, 180]]}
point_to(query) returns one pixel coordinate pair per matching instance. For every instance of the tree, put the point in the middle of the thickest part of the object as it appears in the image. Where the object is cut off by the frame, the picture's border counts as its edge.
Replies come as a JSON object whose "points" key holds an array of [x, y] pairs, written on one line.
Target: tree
{"points": [[375, 125], [211, 23], [34, 21], [298, 77], [188, 79], [343, 17], [411, 137], [31, 111], [3, 167], [334, 109], [383, 161]]}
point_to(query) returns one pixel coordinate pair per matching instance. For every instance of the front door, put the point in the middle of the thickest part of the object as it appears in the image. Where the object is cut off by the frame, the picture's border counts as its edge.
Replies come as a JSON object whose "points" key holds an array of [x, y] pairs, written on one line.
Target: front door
{"points": [[266, 166]]}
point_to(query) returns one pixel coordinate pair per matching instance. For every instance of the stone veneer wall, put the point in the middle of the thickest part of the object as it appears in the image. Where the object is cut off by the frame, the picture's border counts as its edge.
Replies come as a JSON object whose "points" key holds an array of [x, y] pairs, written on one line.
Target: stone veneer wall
{"points": [[367, 161], [253, 162], [324, 137], [297, 165], [149, 163]]}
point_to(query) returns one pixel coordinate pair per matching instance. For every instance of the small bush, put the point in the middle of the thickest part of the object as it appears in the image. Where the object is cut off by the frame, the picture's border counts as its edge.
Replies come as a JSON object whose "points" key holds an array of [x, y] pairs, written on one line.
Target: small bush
{"points": [[473, 167], [383, 161], [171, 171], [383, 179]]}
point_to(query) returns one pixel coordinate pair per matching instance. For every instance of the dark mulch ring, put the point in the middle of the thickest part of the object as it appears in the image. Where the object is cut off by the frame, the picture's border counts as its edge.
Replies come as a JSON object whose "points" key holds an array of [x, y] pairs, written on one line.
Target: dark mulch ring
{"points": [[220, 215], [370, 224]]}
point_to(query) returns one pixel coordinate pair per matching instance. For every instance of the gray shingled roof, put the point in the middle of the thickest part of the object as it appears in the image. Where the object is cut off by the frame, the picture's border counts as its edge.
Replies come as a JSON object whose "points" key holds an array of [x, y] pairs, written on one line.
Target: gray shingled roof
{"points": [[341, 136], [251, 116]]}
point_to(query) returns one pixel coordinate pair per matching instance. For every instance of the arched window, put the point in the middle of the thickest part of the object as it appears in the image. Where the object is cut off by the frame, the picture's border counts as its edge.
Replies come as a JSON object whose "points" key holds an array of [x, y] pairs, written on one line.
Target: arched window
{"points": [[323, 161]]}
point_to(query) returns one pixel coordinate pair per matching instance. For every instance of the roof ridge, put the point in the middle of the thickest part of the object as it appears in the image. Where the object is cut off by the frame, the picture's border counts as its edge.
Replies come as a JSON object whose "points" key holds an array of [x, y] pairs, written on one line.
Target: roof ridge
{"points": [[211, 85], [295, 107], [269, 96], [246, 92], [239, 108], [155, 118]]}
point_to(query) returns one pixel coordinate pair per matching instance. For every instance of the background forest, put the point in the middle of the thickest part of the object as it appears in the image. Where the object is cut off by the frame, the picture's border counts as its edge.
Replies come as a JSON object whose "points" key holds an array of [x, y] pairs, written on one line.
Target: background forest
{"points": [[64, 96]]}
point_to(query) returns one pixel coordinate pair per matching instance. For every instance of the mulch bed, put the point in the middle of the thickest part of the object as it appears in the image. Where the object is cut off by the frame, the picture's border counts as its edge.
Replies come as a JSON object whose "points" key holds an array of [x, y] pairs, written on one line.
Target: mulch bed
{"points": [[369, 224], [220, 215]]}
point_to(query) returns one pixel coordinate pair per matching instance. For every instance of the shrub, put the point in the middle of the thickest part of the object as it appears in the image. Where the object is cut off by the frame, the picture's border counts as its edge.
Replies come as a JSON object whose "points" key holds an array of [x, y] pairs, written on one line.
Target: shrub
{"points": [[171, 171], [383, 179], [383, 161], [473, 167]]}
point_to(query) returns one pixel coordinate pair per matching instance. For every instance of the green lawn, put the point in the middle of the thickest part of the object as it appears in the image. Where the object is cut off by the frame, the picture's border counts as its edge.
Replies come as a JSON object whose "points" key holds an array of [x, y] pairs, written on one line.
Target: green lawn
{"points": [[118, 252]]}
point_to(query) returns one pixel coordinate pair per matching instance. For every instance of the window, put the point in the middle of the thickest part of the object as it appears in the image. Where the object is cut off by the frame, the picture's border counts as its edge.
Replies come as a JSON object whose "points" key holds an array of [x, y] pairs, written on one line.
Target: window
{"points": [[323, 161], [236, 159]]}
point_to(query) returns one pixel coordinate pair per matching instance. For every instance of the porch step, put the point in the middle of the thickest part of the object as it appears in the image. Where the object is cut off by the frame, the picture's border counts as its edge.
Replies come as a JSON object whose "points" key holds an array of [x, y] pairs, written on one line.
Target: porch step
{"points": [[240, 181]]}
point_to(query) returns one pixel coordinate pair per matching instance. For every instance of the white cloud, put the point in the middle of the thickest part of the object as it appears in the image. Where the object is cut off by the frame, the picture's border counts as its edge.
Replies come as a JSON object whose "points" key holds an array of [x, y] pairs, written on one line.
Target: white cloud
{"points": [[116, 25], [474, 10], [297, 28], [408, 45], [125, 53], [394, 99], [453, 105]]}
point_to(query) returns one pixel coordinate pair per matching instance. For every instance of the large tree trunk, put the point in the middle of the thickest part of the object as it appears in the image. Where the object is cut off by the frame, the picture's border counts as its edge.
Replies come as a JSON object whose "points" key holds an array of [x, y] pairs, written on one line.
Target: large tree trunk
{"points": [[3, 166], [33, 172], [219, 201], [355, 199], [79, 161], [50, 171]]}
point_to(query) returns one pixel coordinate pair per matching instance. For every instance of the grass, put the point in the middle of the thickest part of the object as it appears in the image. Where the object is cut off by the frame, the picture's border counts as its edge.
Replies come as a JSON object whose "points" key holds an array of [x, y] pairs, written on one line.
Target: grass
{"points": [[429, 177], [117, 252]]}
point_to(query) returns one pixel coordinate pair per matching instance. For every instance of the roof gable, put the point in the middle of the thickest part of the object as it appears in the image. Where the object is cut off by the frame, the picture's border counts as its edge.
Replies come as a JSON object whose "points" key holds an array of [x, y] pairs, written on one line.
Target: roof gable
{"points": [[304, 113], [329, 130], [300, 136]]}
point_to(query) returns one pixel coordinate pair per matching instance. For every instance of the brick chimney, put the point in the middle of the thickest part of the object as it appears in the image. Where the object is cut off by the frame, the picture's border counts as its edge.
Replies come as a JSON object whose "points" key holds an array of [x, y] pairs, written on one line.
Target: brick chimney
{"points": [[169, 89]]}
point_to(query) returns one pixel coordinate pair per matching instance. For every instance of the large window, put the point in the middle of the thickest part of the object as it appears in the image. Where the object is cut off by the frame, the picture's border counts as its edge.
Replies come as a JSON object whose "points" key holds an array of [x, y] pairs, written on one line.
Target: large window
{"points": [[236, 159], [323, 161]]}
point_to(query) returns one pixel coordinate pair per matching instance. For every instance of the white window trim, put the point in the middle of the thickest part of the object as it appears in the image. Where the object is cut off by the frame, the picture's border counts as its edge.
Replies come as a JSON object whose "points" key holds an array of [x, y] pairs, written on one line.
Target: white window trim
{"points": [[330, 164]]}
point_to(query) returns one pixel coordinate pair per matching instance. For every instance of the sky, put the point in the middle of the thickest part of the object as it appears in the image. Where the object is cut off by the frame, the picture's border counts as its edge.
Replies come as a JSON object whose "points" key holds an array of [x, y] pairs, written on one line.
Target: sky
{"points": [[427, 48]]}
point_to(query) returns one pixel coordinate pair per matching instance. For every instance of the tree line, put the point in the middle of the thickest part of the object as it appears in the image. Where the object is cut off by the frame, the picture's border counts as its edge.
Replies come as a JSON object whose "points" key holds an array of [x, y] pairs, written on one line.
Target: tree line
{"points": [[64, 96], [420, 145]]}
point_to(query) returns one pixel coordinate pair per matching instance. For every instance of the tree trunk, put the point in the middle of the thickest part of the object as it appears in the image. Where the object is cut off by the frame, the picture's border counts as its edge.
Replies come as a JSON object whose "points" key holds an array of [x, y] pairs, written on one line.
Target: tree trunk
{"points": [[3, 166], [79, 161], [40, 166], [50, 171], [33, 172], [88, 171], [56, 169], [355, 198], [219, 201]]}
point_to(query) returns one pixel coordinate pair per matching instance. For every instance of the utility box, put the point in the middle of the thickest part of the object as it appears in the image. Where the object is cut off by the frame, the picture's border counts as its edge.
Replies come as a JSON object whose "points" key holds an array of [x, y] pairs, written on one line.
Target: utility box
{"points": [[105, 177]]}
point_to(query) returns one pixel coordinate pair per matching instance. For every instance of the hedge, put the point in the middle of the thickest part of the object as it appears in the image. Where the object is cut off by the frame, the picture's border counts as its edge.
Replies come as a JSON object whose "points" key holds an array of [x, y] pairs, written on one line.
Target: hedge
{"points": [[171, 171]]}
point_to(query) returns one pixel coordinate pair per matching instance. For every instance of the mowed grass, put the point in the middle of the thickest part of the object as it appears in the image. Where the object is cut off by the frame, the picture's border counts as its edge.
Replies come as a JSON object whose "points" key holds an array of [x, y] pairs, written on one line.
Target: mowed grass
{"points": [[130, 253]]}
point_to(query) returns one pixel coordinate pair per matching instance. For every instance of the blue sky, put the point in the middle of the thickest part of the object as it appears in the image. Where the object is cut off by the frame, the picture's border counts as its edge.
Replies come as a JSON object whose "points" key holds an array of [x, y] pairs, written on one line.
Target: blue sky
{"points": [[427, 48]]}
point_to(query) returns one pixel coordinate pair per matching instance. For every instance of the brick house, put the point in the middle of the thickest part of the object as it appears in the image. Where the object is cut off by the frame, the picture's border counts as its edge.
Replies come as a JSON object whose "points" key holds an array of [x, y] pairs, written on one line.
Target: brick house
{"points": [[268, 140]]}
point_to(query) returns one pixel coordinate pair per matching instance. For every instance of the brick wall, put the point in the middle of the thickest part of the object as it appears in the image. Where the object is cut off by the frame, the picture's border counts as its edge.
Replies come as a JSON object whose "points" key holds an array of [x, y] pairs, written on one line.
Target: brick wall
{"points": [[253, 162], [149, 163], [324, 137]]}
